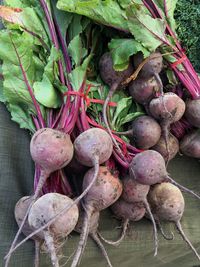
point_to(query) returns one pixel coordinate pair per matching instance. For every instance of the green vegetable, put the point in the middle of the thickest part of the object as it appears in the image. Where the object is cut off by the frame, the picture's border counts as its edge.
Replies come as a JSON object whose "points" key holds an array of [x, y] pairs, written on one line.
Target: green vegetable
{"points": [[187, 15]]}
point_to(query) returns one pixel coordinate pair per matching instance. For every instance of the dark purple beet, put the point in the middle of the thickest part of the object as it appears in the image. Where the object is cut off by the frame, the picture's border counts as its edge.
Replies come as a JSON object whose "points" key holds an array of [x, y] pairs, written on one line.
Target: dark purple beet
{"points": [[190, 144], [192, 112], [108, 74], [173, 147], [146, 132], [143, 90], [153, 66]]}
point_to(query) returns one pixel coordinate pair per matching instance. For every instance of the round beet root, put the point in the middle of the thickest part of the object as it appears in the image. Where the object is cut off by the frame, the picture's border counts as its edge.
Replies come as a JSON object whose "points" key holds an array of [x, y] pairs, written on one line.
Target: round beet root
{"points": [[168, 107], [151, 67], [167, 203], [170, 152], [91, 143], [192, 112], [132, 211], [148, 168], [108, 74], [104, 192], [51, 149], [133, 191], [146, 132], [143, 90], [190, 144]]}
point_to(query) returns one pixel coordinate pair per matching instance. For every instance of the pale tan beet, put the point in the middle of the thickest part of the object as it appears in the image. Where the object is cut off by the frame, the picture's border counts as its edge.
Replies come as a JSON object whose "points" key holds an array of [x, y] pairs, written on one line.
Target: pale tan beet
{"points": [[167, 203], [173, 146], [43, 210], [190, 144], [103, 193]]}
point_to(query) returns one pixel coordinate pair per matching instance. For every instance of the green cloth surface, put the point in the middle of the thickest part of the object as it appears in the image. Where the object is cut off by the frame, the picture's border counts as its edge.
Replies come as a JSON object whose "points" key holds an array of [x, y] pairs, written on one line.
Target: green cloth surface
{"points": [[16, 180]]}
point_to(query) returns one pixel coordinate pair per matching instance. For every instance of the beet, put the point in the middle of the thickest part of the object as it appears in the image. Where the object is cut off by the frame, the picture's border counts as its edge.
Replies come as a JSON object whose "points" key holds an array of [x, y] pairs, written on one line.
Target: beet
{"points": [[134, 211], [173, 147], [168, 107], [190, 144], [167, 203], [134, 192], [92, 143], [43, 210], [145, 132], [126, 212], [148, 168], [103, 193], [109, 75], [151, 67], [192, 112], [143, 90], [21, 208]]}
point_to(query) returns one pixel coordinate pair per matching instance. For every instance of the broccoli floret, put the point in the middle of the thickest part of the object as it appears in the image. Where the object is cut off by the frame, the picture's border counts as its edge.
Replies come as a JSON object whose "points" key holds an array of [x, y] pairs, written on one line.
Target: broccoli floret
{"points": [[187, 16]]}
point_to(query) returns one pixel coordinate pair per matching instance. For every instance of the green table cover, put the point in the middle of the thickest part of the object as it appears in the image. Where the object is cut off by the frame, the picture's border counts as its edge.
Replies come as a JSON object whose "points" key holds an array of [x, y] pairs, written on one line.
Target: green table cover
{"points": [[16, 180]]}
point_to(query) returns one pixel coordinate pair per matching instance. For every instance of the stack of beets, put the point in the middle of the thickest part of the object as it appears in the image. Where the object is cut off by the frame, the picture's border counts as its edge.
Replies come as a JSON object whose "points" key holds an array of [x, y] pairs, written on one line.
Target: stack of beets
{"points": [[141, 187]]}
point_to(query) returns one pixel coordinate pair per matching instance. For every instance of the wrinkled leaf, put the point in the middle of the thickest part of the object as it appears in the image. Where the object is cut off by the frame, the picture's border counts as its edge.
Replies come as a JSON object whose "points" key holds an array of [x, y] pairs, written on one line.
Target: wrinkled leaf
{"points": [[167, 7], [78, 75], [148, 31], [76, 50], [106, 12], [26, 18], [46, 94], [20, 115], [123, 106], [122, 49]]}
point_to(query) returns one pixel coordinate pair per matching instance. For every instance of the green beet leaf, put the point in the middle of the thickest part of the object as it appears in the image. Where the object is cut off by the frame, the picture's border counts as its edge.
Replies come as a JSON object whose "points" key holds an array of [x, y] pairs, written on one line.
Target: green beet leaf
{"points": [[122, 49], [106, 12], [148, 31]]}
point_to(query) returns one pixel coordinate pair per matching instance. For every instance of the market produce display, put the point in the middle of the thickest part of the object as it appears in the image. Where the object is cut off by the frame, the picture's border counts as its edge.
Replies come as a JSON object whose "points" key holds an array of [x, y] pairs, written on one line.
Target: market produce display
{"points": [[107, 93]]}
